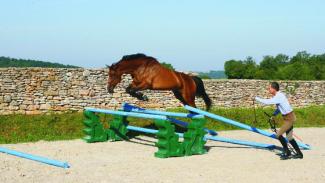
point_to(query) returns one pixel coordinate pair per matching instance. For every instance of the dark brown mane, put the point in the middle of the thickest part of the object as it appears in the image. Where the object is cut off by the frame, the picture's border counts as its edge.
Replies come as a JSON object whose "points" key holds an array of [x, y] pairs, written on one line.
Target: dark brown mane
{"points": [[136, 56], [113, 66], [133, 57]]}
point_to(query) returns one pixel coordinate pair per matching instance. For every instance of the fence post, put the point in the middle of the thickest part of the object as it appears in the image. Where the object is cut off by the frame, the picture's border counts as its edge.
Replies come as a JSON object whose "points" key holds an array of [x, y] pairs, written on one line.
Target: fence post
{"points": [[117, 129], [94, 128], [167, 144], [194, 137]]}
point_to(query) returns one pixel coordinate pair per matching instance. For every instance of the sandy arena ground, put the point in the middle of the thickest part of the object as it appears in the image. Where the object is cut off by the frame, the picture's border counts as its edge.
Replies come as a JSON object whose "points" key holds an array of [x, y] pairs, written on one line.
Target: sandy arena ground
{"points": [[135, 162]]}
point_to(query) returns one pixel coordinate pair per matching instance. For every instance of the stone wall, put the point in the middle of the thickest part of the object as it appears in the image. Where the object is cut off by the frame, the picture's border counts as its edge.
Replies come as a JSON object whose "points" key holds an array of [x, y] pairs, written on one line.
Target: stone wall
{"points": [[37, 90]]}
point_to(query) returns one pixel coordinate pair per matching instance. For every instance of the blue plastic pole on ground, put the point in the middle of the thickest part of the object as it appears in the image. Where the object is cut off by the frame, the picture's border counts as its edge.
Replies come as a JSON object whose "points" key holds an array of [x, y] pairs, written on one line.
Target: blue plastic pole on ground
{"points": [[35, 158], [131, 108], [238, 124], [122, 113], [214, 138], [240, 142]]}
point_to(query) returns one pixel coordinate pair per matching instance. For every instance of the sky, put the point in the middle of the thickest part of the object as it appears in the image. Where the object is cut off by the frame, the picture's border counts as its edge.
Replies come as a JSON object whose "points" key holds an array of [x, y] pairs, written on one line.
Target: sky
{"points": [[191, 35]]}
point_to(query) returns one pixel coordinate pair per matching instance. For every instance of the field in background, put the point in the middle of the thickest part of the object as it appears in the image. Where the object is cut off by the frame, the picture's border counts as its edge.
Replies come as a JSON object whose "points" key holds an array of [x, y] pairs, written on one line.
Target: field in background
{"points": [[66, 126]]}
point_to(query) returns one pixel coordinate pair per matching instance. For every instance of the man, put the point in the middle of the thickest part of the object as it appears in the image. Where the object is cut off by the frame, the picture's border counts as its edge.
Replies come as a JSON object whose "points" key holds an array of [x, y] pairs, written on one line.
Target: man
{"points": [[283, 107]]}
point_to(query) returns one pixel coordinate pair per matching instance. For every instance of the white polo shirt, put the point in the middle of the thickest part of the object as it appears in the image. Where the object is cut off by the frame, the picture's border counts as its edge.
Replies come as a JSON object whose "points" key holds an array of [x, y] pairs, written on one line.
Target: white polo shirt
{"points": [[280, 100]]}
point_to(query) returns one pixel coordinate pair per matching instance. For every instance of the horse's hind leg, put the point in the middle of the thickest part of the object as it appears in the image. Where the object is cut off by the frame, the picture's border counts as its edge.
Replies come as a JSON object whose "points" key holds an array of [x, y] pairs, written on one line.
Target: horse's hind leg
{"points": [[188, 100], [178, 95]]}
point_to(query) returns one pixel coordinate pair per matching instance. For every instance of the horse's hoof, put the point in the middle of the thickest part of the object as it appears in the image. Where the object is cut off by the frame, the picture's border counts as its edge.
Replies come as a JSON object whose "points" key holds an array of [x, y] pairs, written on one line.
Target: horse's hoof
{"points": [[145, 98]]}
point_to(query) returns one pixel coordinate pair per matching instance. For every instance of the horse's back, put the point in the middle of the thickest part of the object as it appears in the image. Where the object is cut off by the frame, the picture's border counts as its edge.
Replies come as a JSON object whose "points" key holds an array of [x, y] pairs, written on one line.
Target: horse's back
{"points": [[158, 76]]}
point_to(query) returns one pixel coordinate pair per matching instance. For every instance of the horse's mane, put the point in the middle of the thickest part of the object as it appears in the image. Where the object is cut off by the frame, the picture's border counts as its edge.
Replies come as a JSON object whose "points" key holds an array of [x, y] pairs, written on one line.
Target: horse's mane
{"points": [[136, 56]]}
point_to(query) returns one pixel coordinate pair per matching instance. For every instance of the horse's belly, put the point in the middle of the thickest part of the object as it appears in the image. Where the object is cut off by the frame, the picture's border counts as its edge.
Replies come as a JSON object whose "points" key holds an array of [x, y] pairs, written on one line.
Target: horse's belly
{"points": [[165, 83]]}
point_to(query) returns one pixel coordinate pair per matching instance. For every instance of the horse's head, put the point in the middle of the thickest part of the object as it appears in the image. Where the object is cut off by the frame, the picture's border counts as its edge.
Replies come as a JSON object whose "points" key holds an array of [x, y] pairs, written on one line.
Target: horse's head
{"points": [[114, 77]]}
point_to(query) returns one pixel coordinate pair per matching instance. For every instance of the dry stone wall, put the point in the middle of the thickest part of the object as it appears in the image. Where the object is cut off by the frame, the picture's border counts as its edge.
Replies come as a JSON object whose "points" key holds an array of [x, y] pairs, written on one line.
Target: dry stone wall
{"points": [[38, 90]]}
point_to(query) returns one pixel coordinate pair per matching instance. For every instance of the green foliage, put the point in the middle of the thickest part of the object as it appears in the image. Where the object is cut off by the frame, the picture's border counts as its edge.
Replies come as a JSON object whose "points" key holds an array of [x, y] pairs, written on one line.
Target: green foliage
{"points": [[204, 76], [29, 128], [302, 66], [234, 69], [241, 69], [289, 72], [250, 68], [12, 62], [167, 65], [213, 75]]}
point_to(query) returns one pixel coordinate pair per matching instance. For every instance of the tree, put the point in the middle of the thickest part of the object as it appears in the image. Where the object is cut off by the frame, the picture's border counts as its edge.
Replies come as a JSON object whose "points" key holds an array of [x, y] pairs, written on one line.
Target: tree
{"points": [[270, 65], [167, 65], [234, 69], [302, 66], [250, 68], [296, 71], [317, 66], [282, 59], [301, 57]]}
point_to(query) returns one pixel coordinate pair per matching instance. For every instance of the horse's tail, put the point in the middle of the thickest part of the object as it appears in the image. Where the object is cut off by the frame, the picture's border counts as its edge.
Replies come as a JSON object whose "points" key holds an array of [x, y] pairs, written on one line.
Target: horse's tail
{"points": [[200, 92]]}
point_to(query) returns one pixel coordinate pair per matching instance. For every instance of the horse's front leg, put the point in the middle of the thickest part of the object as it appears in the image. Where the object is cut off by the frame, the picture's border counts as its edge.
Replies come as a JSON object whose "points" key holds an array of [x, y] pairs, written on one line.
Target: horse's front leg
{"points": [[134, 90]]}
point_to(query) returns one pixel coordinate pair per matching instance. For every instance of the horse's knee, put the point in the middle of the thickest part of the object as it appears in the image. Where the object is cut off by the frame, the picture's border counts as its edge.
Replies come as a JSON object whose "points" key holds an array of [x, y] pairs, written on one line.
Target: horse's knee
{"points": [[129, 90]]}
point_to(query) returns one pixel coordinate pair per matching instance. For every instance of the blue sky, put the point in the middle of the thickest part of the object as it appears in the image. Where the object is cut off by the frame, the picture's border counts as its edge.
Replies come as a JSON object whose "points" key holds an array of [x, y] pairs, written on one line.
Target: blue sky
{"points": [[191, 35]]}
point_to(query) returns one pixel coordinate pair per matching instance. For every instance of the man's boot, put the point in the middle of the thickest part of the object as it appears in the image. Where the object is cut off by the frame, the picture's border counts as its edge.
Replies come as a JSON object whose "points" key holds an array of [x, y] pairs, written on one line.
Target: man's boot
{"points": [[286, 152], [299, 154]]}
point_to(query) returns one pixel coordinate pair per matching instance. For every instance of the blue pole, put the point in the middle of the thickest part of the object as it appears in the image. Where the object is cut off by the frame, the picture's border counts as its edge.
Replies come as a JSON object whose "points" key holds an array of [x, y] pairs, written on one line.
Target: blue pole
{"points": [[182, 123], [238, 124], [122, 113], [131, 108], [146, 130], [139, 129], [215, 138], [240, 142], [35, 158]]}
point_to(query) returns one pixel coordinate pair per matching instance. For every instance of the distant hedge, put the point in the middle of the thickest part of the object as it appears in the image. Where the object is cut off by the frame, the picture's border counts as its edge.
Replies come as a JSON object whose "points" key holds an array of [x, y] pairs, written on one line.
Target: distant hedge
{"points": [[12, 62], [302, 66]]}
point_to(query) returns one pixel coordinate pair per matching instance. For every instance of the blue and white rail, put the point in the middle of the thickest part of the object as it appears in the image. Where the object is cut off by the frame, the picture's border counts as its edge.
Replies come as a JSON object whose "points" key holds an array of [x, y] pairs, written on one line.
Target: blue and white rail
{"points": [[131, 108], [238, 124]]}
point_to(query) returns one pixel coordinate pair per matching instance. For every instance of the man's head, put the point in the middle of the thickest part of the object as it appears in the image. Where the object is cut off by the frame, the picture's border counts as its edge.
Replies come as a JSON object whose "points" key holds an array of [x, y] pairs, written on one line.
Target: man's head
{"points": [[274, 87]]}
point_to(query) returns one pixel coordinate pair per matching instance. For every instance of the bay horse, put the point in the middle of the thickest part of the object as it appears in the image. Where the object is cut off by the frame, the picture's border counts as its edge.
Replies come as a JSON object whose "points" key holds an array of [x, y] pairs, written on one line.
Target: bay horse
{"points": [[148, 73]]}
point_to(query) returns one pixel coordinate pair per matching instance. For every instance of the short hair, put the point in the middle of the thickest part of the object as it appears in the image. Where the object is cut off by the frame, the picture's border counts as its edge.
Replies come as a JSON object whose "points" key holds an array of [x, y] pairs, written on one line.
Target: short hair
{"points": [[275, 85]]}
